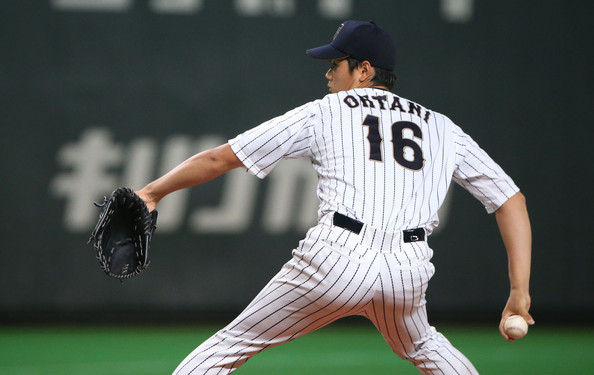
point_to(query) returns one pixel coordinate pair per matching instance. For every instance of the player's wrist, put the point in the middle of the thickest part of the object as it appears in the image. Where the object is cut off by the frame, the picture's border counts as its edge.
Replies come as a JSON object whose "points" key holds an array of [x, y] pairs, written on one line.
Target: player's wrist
{"points": [[520, 289], [148, 197]]}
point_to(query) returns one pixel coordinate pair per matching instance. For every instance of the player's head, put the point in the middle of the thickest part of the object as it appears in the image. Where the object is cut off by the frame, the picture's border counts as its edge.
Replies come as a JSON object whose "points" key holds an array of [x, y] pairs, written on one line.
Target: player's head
{"points": [[360, 42]]}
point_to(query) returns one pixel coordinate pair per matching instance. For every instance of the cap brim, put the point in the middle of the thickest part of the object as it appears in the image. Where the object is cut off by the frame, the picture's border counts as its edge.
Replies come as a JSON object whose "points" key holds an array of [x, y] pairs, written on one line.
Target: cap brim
{"points": [[327, 52]]}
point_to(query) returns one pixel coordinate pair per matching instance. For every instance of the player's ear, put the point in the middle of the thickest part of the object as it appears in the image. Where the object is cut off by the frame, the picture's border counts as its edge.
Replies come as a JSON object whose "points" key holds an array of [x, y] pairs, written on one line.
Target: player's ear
{"points": [[367, 71]]}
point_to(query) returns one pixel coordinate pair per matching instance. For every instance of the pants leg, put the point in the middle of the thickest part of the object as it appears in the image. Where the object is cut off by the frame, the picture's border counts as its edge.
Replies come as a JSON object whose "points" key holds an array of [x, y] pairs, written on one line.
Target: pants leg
{"points": [[399, 313], [316, 287]]}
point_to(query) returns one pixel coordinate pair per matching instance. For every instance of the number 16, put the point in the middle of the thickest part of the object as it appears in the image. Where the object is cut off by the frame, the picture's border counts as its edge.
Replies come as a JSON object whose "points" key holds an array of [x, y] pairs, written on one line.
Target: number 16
{"points": [[400, 143]]}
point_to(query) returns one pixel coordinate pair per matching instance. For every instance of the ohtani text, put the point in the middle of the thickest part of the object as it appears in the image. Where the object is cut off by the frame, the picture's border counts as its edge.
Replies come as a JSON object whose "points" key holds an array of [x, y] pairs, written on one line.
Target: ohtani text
{"points": [[383, 103]]}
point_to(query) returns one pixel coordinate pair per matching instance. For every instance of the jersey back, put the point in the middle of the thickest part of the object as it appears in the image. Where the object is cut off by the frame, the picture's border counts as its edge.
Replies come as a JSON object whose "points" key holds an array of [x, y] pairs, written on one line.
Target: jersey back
{"points": [[381, 159]]}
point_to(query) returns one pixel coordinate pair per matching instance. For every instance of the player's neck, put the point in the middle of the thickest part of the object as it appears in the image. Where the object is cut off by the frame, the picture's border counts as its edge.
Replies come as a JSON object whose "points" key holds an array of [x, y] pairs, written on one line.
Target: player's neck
{"points": [[370, 85]]}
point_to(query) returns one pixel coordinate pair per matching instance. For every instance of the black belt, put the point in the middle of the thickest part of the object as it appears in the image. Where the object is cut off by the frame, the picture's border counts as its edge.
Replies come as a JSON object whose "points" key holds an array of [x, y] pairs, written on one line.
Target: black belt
{"points": [[355, 226]]}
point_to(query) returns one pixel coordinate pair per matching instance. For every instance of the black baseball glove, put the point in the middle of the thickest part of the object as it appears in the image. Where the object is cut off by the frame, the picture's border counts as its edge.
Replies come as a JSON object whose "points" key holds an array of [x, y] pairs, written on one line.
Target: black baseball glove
{"points": [[123, 234]]}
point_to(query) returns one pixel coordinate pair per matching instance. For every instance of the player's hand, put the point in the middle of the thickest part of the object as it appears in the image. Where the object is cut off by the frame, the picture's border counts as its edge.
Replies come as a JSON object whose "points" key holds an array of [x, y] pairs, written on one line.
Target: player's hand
{"points": [[150, 203], [518, 303]]}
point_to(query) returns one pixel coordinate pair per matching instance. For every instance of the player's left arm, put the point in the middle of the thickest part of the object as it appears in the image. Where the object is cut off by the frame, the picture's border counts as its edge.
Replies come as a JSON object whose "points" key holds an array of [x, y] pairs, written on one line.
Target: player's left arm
{"points": [[514, 226], [196, 170]]}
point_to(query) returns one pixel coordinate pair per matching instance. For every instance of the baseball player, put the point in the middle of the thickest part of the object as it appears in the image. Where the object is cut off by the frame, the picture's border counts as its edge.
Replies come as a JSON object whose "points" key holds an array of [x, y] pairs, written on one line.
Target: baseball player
{"points": [[384, 165]]}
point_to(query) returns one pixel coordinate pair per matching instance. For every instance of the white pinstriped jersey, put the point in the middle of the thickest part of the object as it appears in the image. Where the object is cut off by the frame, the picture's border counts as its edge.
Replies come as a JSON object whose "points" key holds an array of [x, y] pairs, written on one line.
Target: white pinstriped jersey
{"points": [[381, 159]]}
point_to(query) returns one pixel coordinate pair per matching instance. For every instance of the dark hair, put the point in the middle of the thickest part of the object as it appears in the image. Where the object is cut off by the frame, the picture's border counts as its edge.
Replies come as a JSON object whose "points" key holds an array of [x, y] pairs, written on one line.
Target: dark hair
{"points": [[382, 77]]}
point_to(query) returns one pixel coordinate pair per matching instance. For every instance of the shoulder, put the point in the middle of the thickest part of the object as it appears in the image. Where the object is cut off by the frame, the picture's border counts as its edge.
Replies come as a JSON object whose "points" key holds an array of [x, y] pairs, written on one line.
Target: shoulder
{"points": [[316, 107], [310, 106], [298, 113]]}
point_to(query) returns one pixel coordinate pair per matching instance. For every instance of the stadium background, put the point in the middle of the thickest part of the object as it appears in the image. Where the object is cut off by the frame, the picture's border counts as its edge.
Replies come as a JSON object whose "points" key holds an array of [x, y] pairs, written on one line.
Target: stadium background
{"points": [[100, 93], [149, 83]]}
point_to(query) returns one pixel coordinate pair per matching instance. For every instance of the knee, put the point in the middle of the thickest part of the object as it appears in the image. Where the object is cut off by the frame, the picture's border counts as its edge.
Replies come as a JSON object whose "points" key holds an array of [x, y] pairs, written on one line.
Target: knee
{"points": [[434, 353], [431, 342]]}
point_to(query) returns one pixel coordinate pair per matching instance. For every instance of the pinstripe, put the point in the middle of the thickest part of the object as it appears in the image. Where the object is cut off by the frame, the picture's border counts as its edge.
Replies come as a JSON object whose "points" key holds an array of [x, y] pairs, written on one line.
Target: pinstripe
{"points": [[456, 355], [422, 219], [392, 303], [335, 166], [342, 152], [363, 169], [406, 344], [394, 187], [354, 159], [412, 306], [446, 360]]}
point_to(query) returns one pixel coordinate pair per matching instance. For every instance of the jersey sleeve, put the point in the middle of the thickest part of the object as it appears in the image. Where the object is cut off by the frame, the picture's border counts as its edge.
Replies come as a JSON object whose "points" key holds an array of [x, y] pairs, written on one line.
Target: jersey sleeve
{"points": [[479, 174], [284, 137]]}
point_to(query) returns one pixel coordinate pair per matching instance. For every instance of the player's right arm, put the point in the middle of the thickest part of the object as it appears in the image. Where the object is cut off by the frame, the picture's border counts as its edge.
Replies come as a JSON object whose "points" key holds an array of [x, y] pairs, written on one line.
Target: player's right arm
{"points": [[514, 226], [196, 170]]}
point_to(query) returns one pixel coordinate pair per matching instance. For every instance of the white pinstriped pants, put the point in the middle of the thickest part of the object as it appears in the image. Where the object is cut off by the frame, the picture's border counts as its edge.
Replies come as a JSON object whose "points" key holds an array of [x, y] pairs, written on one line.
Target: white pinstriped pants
{"points": [[335, 273]]}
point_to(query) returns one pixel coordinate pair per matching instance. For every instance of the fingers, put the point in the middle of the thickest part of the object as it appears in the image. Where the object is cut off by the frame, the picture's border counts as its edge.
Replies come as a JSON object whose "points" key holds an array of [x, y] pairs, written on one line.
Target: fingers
{"points": [[506, 314], [502, 330]]}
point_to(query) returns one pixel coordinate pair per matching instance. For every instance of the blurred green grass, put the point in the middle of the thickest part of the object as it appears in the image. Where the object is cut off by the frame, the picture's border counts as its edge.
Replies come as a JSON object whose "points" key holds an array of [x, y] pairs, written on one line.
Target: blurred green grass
{"points": [[338, 349]]}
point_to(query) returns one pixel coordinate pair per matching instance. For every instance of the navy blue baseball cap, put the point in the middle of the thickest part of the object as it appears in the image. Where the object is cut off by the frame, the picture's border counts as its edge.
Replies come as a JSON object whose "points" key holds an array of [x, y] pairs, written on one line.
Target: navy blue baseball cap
{"points": [[360, 40]]}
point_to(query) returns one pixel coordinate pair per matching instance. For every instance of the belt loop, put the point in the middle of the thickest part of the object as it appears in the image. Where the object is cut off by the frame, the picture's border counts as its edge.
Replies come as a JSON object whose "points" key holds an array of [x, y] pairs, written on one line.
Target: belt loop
{"points": [[346, 222], [413, 235]]}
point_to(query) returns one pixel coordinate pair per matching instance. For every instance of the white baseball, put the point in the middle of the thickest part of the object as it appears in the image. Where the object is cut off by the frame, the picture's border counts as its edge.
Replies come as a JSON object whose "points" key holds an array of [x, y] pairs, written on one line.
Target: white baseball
{"points": [[516, 327]]}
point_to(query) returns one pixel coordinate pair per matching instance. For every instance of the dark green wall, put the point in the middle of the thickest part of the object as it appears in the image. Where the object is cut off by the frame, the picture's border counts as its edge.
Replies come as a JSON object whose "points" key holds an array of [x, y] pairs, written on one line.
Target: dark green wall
{"points": [[91, 99]]}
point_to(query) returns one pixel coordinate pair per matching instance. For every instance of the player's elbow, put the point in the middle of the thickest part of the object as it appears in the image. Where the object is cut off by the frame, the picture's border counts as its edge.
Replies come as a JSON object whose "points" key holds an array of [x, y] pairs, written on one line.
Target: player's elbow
{"points": [[517, 201], [223, 158], [519, 198]]}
